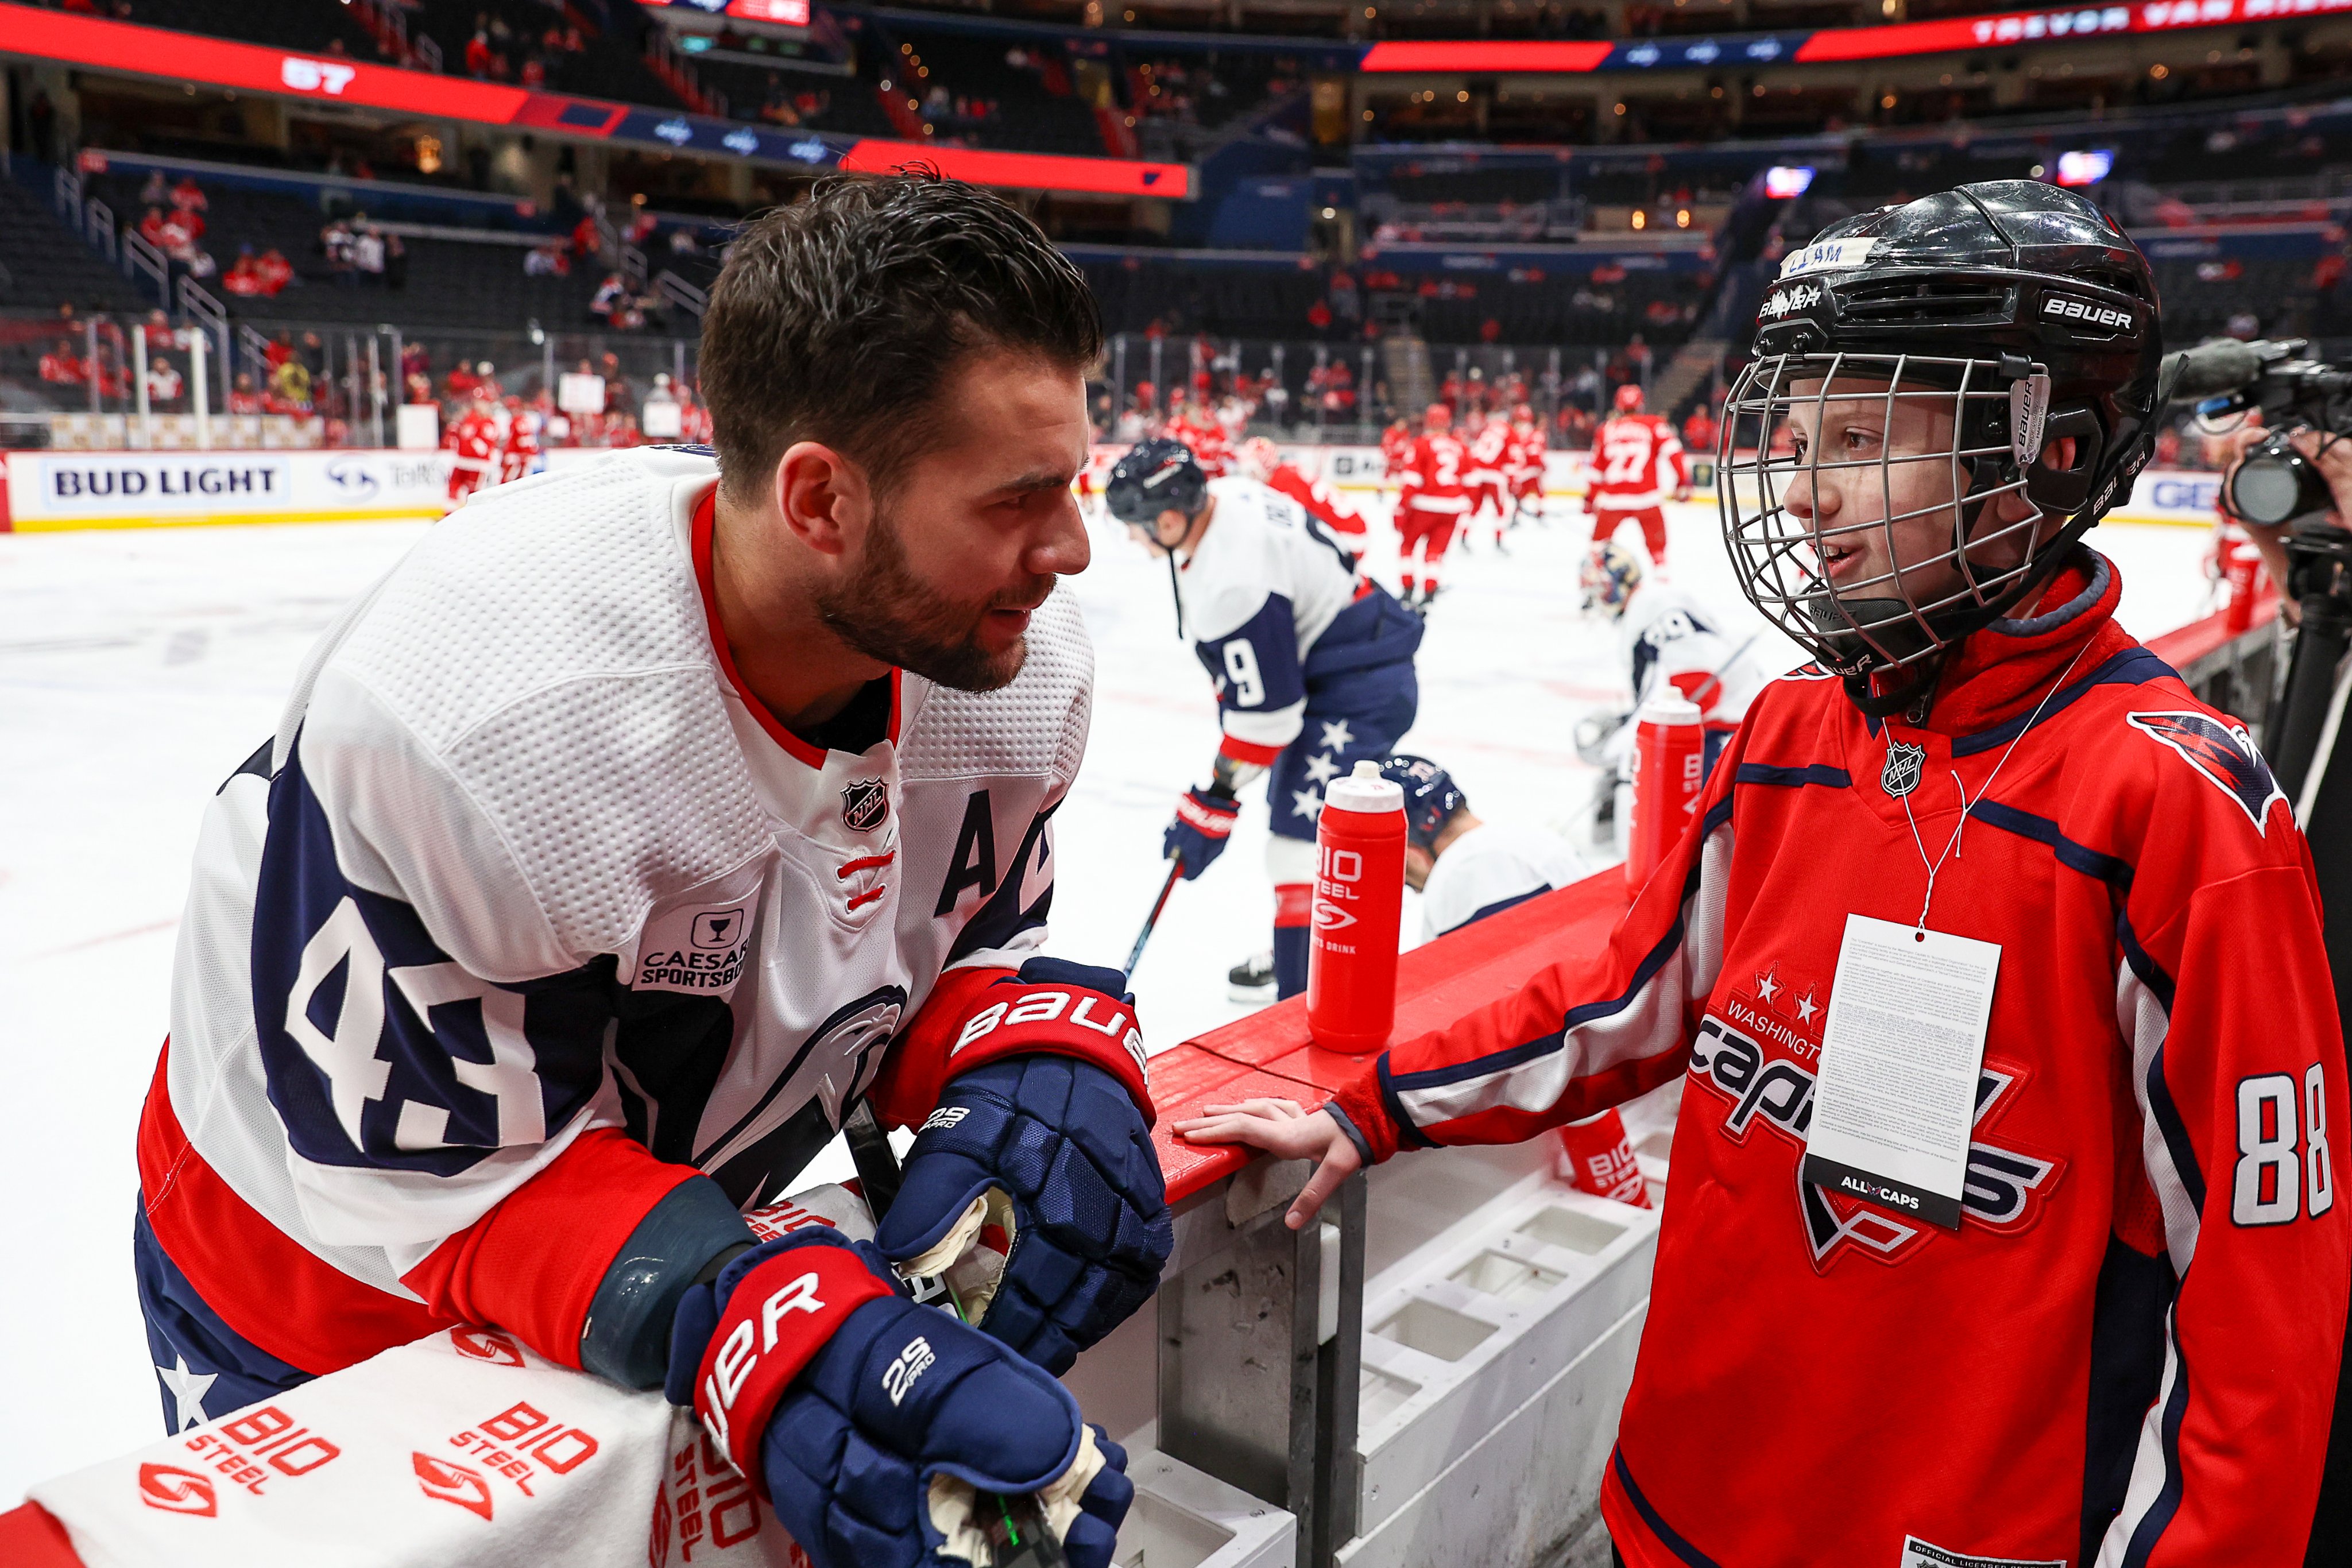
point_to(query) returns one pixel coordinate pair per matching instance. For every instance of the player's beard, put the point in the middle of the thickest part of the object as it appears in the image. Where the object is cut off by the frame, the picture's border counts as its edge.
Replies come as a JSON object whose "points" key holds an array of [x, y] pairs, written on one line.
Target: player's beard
{"points": [[886, 612]]}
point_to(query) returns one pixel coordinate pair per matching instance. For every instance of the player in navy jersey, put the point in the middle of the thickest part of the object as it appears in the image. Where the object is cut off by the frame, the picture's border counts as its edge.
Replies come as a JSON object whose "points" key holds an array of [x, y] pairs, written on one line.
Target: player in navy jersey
{"points": [[643, 820], [1311, 663], [2112, 1337]]}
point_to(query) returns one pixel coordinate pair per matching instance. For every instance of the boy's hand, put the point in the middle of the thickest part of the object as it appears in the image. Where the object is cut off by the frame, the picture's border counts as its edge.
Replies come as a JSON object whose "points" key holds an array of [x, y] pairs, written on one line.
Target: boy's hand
{"points": [[1285, 1131]]}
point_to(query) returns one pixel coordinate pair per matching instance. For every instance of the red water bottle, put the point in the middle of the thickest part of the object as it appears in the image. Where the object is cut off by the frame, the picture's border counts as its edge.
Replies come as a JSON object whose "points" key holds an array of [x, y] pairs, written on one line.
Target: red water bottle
{"points": [[1669, 770], [2240, 566], [1351, 954], [1596, 1156]]}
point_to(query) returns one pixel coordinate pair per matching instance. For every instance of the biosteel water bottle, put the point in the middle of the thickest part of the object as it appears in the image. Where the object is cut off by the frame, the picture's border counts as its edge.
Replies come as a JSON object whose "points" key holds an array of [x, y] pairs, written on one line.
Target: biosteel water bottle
{"points": [[1596, 1156], [1351, 954], [1669, 768]]}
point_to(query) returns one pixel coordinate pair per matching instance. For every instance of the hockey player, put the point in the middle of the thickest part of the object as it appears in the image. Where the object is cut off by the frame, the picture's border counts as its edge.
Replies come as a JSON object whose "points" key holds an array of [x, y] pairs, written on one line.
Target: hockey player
{"points": [[1311, 662], [518, 451], [1261, 460], [636, 828], [1665, 637], [1464, 867], [473, 439], [1396, 442], [1636, 463], [2114, 1339], [1434, 498], [1489, 456], [1195, 424], [1523, 465]]}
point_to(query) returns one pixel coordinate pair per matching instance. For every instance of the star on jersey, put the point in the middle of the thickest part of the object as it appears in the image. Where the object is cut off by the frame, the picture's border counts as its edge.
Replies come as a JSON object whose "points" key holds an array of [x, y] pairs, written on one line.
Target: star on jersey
{"points": [[1336, 736], [1305, 803], [188, 1390], [1320, 769], [1807, 1008], [1767, 986]]}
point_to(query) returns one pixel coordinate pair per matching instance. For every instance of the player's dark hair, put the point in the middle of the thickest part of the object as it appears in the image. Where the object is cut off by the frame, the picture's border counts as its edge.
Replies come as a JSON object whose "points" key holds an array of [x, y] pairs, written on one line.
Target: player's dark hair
{"points": [[839, 318]]}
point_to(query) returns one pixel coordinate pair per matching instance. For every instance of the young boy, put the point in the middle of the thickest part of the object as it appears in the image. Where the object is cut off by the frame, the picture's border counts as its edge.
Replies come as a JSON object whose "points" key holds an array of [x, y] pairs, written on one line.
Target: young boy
{"points": [[2111, 1336]]}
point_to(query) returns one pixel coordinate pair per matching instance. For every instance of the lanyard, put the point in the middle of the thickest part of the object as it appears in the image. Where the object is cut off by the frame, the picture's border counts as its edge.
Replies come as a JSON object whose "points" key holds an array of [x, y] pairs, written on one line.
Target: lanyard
{"points": [[1952, 849]]}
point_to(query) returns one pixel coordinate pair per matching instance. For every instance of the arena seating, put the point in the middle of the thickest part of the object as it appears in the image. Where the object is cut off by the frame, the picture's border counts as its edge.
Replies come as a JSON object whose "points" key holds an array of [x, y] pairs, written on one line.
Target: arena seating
{"points": [[48, 266]]}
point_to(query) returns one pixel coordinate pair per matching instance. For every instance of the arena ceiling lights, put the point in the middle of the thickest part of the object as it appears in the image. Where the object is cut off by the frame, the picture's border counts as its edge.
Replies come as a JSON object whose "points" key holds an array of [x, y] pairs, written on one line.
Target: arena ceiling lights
{"points": [[126, 48]]}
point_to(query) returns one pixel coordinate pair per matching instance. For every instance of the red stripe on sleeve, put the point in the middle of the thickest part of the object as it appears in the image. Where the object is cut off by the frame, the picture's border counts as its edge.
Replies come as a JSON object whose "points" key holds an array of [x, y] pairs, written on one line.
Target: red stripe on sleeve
{"points": [[1250, 751], [532, 1264]]}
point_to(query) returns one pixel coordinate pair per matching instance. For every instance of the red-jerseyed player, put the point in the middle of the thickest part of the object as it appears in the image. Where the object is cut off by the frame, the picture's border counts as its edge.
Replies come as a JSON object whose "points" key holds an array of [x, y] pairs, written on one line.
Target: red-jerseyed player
{"points": [[2125, 1350], [1434, 499], [1637, 463]]}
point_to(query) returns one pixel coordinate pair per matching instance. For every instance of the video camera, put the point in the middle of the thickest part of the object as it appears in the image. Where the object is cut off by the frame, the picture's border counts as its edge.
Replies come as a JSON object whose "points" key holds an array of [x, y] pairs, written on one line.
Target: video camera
{"points": [[2276, 485]]}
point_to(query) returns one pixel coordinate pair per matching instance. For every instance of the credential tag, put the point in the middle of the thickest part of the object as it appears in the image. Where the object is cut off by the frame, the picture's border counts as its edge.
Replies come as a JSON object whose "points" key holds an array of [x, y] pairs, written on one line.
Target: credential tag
{"points": [[1901, 1049]]}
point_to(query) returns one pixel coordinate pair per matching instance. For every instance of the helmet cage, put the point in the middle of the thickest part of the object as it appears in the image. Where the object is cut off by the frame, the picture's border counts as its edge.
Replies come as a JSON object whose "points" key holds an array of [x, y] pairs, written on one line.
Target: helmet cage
{"points": [[2000, 421]]}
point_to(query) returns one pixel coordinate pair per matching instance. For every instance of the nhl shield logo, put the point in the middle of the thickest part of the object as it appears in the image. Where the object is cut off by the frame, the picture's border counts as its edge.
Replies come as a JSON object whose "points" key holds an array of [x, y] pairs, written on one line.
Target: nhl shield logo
{"points": [[865, 805], [1903, 765]]}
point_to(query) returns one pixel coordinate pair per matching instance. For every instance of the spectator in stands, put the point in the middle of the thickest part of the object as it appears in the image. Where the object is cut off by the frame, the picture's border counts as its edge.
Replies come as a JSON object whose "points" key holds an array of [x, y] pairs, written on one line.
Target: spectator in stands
{"points": [[619, 396], [552, 259], [163, 382], [62, 367], [367, 251], [187, 196], [289, 389], [156, 192], [335, 244], [244, 276], [777, 106], [275, 271], [419, 387], [478, 56], [241, 397], [608, 297]]}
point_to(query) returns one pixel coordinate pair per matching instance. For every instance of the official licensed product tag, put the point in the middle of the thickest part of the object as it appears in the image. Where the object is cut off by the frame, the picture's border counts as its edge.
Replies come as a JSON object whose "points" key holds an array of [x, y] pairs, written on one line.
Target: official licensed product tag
{"points": [[1918, 1553], [1901, 1045]]}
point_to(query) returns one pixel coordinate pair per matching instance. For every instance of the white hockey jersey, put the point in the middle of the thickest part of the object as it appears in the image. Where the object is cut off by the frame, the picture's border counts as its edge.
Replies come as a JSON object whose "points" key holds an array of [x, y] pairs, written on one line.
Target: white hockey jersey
{"points": [[1666, 635], [1490, 868], [522, 859], [1265, 584]]}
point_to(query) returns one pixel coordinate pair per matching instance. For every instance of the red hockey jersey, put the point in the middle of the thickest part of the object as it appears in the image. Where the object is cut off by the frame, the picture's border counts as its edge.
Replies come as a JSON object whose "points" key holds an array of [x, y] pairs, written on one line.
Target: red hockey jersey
{"points": [[1637, 462], [1322, 502], [1437, 473], [2126, 1354]]}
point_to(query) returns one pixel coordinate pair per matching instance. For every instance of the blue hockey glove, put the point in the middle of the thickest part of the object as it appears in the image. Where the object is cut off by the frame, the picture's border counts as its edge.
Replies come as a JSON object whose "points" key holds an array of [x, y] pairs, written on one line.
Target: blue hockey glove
{"points": [[1060, 1151], [1205, 822], [841, 1400]]}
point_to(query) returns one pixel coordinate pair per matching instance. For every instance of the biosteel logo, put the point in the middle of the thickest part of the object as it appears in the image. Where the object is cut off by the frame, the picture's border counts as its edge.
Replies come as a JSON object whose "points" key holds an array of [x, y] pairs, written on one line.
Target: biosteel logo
{"points": [[176, 1490]]}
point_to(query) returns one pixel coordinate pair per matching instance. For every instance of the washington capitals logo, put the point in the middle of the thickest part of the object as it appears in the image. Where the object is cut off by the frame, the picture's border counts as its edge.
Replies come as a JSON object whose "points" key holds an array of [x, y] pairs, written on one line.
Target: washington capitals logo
{"points": [[865, 805], [1754, 1057], [2224, 753]]}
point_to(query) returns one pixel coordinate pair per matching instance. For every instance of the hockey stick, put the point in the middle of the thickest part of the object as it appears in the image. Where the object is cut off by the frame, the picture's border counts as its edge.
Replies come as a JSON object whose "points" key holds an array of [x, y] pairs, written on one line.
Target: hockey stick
{"points": [[1135, 954]]}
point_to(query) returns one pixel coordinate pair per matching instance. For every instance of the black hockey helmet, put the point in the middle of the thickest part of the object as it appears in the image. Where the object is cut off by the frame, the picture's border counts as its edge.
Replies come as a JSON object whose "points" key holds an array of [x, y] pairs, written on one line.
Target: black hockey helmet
{"points": [[1431, 798], [1156, 476], [2018, 310]]}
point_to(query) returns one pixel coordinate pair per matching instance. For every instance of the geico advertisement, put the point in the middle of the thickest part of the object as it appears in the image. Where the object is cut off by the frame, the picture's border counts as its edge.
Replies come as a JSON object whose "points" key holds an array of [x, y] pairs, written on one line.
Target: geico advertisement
{"points": [[130, 490]]}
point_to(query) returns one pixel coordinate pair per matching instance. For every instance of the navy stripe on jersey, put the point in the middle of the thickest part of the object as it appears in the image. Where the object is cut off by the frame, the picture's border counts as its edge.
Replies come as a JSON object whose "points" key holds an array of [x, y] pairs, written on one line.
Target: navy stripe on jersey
{"points": [[258, 765], [1004, 917], [1820, 773], [2127, 1376], [375, 1043], [2107, 868], [2159, 1517], [1658, 1527], [2132, 667]]}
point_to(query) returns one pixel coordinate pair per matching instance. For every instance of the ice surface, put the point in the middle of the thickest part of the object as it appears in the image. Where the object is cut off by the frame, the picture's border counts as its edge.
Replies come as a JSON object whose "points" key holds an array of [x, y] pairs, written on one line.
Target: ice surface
{"points": [[138, 669]]}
